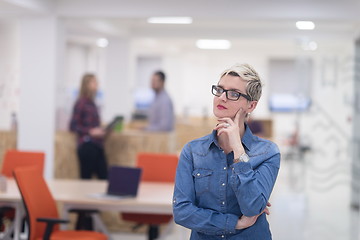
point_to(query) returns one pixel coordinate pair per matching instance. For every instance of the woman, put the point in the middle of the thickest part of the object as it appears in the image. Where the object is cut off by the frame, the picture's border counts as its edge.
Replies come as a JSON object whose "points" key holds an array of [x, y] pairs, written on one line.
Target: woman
{"points": [[224, 180], [85, 122]]}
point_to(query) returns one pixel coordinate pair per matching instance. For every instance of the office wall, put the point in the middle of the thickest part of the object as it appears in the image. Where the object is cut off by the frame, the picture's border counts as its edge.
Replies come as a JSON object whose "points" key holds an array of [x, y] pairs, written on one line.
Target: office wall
{"points": [[9, 72], [191, 72], [79, 59]]}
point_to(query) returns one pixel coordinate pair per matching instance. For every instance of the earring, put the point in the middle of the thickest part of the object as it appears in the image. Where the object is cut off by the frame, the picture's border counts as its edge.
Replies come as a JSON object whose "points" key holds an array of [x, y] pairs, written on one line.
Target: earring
{"points": [[247, 115]]}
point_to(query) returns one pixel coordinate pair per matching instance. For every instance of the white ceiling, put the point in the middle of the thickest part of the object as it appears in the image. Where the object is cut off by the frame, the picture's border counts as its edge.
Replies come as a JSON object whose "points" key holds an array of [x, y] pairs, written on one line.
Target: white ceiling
{"points": [[231, 19]]}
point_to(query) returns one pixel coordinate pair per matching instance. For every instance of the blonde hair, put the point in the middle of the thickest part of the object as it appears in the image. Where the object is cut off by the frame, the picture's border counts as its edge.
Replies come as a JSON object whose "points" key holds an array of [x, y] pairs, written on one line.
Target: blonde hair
{"points": [[250, 76], [85, 91]]}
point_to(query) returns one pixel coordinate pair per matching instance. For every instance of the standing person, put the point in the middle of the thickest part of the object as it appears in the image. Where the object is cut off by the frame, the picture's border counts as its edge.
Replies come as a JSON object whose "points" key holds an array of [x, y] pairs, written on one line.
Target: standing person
{"points": [[85, 122], [161, 113], [224, 180]]}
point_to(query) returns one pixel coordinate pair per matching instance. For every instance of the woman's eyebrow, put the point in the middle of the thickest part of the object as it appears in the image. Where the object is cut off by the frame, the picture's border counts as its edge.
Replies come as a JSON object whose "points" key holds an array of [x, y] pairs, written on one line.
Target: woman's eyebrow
{"points": [[231, 89]]}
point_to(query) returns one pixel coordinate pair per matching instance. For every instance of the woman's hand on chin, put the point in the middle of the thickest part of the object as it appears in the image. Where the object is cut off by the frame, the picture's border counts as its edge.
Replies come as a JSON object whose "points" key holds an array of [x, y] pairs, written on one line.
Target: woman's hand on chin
{"points": [[233, 129]]}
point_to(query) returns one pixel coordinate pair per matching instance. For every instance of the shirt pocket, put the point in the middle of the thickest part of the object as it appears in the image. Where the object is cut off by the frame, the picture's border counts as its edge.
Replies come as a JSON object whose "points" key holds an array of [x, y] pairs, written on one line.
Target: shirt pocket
{"points": [[202, 180]]}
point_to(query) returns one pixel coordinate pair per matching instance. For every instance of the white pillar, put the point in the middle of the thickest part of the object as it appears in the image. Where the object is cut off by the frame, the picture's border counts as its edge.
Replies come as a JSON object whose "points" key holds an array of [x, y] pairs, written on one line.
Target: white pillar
{"points": [[9, 81], [118, 100], [38, 53]]}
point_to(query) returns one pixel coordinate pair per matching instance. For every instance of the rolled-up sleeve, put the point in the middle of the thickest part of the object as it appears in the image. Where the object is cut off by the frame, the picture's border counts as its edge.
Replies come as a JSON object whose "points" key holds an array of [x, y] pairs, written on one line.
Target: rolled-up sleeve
{"points": [[253, 187]]}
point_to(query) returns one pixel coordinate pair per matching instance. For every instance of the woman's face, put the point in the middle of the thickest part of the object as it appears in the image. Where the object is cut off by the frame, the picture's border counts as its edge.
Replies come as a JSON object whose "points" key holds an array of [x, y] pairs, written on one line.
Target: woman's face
{"points": [[93, 86], [223, 107]]}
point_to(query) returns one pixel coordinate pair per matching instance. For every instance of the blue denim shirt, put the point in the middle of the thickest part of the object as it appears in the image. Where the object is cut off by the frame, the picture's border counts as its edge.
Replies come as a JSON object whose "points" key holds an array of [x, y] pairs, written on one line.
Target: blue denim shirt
{"points": [[211, 192]]}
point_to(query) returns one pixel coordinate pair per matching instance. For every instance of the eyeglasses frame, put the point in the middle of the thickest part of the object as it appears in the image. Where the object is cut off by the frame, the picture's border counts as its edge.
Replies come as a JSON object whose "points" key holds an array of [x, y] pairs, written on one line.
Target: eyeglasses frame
{"points": [[247, 97]]}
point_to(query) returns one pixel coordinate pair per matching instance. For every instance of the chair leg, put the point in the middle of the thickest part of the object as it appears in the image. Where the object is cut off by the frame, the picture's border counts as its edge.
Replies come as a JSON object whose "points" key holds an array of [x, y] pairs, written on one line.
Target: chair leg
{"points": [[153, 232], [84, 222], [84, 218]]}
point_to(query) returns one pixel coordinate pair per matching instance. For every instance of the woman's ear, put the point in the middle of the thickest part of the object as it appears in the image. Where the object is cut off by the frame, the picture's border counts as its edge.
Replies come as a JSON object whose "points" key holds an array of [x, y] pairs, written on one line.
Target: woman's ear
{"points": [[251, 106]]}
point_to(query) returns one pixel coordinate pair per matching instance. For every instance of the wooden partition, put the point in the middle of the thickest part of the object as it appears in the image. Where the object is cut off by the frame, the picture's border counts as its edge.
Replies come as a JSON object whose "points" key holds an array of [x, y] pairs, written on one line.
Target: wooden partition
{"points": [[7, 142], [192, 128], [121, 148]]}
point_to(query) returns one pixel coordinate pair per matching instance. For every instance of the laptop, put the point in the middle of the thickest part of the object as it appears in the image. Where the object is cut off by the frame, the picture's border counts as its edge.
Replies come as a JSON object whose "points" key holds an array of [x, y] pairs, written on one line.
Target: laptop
{"points": [[112, 124], [123, 182]]}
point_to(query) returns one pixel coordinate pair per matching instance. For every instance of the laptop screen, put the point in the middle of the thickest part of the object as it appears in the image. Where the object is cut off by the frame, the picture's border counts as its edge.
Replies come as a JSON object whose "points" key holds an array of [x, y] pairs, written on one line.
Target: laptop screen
{"points": [[123, 181]]}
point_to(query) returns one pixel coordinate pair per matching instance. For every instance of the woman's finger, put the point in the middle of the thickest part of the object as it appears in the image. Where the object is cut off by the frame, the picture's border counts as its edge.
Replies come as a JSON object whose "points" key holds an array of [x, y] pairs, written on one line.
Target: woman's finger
{"points": [[267, 211], [222, 125], [237, 116]]}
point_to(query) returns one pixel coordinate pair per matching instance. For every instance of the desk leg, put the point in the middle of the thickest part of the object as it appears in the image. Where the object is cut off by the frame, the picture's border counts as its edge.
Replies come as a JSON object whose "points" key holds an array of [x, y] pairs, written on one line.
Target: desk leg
{"points": [[169, 229], [19, 213], [99, 225], [65, 215]]}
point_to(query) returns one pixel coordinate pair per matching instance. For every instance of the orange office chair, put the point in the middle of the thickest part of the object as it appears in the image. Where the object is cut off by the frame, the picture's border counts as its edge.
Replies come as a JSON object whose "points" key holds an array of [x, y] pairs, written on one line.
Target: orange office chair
{"points": [[15, 158], [156, 168], [11, 160], [41, 209]]}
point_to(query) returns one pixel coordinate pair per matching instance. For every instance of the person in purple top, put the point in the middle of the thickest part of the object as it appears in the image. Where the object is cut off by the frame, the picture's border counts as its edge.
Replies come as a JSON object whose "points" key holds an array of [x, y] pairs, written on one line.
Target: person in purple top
{"points": [[85, 122]]}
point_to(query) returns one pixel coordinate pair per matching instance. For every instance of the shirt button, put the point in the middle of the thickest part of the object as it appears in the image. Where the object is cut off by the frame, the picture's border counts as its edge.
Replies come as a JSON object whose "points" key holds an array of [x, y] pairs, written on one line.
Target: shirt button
{"points": [[222, 236], [224, 168], [223, 184], [223, 203], [198, 174], [223, 151]]}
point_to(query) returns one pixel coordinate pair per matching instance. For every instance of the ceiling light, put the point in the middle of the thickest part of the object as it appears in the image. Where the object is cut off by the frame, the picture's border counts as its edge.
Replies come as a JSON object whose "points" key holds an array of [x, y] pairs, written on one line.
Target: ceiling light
{"points": [[213, 44], [305, 25], [170, 20], [102, 42]]}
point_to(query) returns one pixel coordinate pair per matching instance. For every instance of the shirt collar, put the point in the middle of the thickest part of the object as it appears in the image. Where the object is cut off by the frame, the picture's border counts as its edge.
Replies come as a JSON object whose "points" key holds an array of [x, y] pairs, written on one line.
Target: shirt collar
{"points": [[246, 139]]}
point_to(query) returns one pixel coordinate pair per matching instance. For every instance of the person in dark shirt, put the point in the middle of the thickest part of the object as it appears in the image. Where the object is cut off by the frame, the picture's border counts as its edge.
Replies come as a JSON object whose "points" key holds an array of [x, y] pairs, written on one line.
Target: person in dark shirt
{"points": [[85, 122]]}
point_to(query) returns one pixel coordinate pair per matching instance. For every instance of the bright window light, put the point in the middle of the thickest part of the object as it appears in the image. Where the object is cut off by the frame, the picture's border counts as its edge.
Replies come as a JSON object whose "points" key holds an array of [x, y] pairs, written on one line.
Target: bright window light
{"points": [[309, 46], [213, 44], [102, 42], [313, 46], [170, 20], [305, 25]]}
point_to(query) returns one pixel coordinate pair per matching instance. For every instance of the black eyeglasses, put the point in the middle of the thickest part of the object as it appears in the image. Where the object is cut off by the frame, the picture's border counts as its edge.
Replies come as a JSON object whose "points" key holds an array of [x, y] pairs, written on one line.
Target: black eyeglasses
{"points": [[230, 94]]}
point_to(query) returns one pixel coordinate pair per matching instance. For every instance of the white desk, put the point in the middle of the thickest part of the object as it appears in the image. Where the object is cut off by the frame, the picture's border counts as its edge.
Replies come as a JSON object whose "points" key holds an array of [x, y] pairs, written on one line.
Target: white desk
{"points": [[153, 198]]}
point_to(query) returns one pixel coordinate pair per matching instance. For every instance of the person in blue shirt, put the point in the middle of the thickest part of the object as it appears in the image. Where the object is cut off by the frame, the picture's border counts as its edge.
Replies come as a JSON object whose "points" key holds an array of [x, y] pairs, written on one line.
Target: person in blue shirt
{"points": [[224, 180], [161, 112]]}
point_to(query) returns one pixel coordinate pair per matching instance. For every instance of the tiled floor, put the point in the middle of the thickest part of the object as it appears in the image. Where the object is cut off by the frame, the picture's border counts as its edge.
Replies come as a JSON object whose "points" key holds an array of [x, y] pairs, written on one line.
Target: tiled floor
{"points": [[307, 204]]}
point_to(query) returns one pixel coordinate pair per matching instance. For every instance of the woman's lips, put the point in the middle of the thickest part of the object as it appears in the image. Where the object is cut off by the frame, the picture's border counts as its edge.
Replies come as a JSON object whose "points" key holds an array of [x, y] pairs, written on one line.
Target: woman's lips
{"points": [[221, 107]]}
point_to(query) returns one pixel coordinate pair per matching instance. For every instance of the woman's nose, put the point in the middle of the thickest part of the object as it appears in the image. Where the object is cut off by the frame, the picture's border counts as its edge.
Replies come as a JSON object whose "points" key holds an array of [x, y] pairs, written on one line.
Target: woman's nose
{"points": [[223, 96]]}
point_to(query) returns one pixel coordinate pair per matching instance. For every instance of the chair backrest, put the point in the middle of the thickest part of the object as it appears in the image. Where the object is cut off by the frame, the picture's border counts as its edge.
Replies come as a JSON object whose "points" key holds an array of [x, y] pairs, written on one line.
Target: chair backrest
{"points": [[37, 199], [14, 159], [157, 167]]}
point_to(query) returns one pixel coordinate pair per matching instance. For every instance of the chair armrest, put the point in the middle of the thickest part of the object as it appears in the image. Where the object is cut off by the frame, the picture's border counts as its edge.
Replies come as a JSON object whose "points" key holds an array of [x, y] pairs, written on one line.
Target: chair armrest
{"points": [[83, 211], [50, 222]]}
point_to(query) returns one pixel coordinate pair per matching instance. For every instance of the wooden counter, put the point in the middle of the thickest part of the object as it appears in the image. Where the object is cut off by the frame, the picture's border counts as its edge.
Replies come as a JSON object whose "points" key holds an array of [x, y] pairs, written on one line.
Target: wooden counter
{"points": [[121, 148], [7, 142]]}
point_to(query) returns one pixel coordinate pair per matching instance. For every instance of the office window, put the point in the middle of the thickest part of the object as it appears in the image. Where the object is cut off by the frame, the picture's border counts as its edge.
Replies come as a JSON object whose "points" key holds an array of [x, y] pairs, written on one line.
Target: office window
{"points": [[290, 84]]}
